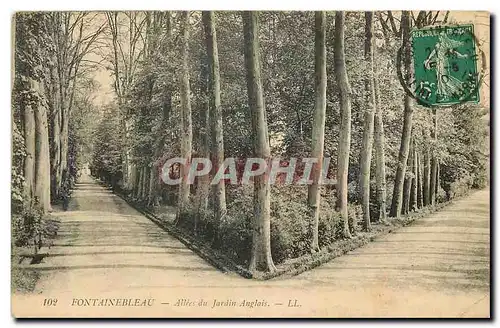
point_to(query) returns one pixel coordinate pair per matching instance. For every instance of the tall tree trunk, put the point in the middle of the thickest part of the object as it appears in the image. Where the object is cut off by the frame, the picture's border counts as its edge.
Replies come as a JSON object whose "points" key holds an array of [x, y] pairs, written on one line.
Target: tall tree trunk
{"points": [[126, 153], [42, 155], [414, 182], [186, 121], [345, 124], [64, 136], [145, 183], [380, 154], [406, 195], [318, 128], [433, 185], [427, 175], [55, 135], [153, 184], [420, 189], [261, 259], [29, 141], [434, 163], [133, 180], [140, 176], [368, 123], [215, 114], [438, 179], [397, 195], [203, 182]]}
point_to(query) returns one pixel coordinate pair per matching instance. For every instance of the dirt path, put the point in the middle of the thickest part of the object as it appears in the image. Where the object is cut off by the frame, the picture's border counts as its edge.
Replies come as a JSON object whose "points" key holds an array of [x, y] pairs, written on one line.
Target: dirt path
{"points": [[104, 244], [439, 266]]}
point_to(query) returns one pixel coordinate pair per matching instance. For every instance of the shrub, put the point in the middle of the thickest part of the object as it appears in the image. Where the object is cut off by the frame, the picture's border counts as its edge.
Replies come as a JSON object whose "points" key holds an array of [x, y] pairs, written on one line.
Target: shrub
{"points": [[26, 225], [290, 232], [290, 236], [460, 187], [236, 238]]}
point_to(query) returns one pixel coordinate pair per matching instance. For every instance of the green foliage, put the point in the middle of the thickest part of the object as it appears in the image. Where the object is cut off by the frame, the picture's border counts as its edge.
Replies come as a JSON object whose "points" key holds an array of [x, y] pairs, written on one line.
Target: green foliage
{"points": [[17, 177], [465, 149], [26, 225], [107, 156], [290, 235]]}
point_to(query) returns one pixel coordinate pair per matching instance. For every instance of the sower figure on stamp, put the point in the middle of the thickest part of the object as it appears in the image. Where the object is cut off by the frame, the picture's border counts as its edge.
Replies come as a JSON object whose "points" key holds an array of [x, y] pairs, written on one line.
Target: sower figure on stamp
{"points": [[440, 58]]}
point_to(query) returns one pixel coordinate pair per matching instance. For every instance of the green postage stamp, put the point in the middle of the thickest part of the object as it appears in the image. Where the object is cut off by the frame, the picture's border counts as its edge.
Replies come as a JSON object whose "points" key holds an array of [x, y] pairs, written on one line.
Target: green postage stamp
{"points": [[445, 63]]}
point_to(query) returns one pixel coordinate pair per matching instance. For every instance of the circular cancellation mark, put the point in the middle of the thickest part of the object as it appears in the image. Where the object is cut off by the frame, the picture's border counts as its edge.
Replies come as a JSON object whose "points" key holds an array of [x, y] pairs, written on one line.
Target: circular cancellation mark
{"points": [[444, 70]]}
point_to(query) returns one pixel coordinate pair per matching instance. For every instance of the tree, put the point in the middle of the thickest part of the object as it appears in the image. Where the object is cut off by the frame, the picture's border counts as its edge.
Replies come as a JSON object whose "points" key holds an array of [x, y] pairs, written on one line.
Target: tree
{"points": [[203, 182], [29, 141], [414, 182], [261, 259], [318, 128], [127, 50], [186, 121], [368, 122], [434, 161], [427, 169], [32, 48], [215, 112], [345, 127], [74, 35], [42, 155], [380, 179], [404, 150]]}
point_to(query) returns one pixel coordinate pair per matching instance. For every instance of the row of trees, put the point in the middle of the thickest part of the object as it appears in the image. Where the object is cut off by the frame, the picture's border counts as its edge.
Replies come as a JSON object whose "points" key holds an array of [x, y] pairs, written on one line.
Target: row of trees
{"points": [[51, 83], [217, 85], [190, 97], [50, 61]]}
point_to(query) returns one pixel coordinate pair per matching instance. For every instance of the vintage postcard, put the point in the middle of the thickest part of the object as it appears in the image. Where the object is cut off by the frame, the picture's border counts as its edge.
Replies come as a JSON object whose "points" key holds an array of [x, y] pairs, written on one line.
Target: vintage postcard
{"points": [[272, 164]]}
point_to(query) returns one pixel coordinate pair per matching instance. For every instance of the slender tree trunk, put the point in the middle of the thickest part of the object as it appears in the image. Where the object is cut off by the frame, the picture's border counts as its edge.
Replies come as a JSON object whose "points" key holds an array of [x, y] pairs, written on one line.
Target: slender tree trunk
{"points": [[420, 189], [406, 192], [126, 152], [368, 123], [203, 182], [55, 137], [380, 155], [414, 182], [140, 177], [186, 121], [427, 175], [345, 124], [318, 128], [406, 195], [438, 179], [215, 113], [64, 138], [145, 183], [261, 259], [397, 195], [133, 180], [144, 174], [151, 186], [42, 155], [434, 163], [29, 141], [433, 185]]}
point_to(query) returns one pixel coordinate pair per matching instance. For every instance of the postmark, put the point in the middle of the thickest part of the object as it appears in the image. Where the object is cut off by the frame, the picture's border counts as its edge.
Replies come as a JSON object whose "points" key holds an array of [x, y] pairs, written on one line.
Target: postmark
{"points": [[447, 66]]}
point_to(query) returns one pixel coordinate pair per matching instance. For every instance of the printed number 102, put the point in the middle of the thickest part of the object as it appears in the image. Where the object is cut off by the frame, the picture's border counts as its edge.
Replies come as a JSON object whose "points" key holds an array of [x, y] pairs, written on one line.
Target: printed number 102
{"points": [[50, 302]]}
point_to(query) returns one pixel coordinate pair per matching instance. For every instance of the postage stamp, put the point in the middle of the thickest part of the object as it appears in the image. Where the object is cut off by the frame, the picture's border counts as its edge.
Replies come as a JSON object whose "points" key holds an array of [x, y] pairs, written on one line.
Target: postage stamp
{"points": [[445, 65]]}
